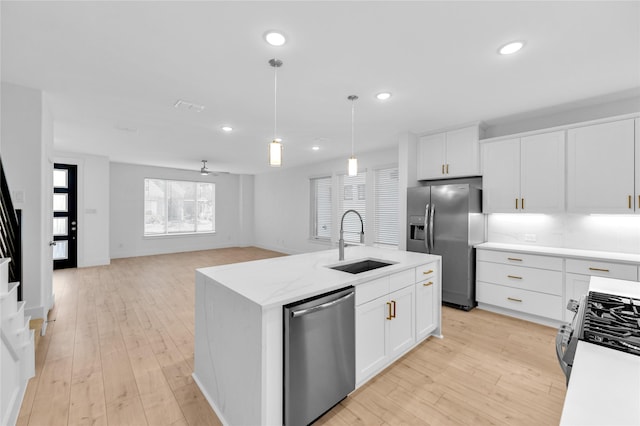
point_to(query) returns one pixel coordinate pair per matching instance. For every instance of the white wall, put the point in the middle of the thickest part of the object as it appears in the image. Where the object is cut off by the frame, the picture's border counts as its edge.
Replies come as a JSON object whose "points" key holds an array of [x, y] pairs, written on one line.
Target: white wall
{"points": [[127, 209], [27, 140], [93, 206], [618, 233], [282, 202]]}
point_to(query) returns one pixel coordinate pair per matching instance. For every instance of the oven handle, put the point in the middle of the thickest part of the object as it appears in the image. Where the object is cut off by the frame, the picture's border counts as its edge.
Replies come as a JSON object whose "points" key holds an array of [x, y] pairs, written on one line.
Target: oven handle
{"points": [[562, 341]]}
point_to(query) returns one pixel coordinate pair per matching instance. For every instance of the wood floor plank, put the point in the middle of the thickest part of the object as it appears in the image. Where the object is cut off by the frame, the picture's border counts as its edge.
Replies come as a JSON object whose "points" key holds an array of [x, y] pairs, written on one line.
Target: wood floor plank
{"points": [[119, 351]]}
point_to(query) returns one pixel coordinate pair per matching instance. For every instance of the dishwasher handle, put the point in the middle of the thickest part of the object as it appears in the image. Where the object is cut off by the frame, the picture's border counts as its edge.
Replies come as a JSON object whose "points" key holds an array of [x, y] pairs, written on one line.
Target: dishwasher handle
{"points": [[301, 312]]}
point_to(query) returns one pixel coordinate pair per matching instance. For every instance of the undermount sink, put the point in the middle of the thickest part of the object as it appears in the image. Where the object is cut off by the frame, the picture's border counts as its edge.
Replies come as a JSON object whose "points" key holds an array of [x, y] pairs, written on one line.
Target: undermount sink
{"points": [[361, 266]]}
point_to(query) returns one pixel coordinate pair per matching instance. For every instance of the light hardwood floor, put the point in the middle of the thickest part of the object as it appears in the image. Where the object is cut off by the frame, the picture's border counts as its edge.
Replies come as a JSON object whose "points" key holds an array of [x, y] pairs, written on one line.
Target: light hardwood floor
{"points": [[119, 351]]}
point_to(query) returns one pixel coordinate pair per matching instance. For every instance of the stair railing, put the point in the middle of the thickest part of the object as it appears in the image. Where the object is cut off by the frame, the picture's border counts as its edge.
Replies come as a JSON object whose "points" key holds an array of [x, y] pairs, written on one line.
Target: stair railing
{"points": [[10, 232]]}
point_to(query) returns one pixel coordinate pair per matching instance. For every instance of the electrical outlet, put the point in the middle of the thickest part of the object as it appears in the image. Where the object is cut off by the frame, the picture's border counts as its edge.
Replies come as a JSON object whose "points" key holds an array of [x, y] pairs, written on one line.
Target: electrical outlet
{"points": [[530, 238]]}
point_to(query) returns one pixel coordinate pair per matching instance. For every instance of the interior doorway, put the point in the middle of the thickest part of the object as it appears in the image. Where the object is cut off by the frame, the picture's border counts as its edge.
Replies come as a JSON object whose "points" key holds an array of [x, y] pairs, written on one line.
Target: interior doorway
{"points": [[65, 216]]}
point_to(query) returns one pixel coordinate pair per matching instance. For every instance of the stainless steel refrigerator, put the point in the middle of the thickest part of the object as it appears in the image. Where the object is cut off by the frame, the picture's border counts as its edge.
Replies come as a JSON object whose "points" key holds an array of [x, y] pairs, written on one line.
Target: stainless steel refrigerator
{"points": [[447, 219]]}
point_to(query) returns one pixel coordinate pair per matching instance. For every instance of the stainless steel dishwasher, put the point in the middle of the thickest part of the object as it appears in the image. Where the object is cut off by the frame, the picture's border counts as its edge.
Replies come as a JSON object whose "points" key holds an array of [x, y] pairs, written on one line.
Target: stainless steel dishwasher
{"points": [[319, 355]]}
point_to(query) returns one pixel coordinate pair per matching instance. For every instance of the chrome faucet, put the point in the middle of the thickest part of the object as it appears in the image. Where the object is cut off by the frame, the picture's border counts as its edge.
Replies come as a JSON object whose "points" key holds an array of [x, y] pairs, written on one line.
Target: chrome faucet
{"points": [[341, 240]]}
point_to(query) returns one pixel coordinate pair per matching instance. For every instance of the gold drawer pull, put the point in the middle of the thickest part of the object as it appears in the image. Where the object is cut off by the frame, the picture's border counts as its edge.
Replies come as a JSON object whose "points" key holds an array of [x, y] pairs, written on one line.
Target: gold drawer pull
{"points": [[430, 271], [443, 169], [514, 277], [598, 269], [514, 258], [393, 302], [447, 169], [629, 201], [427, 284], [389, 306], [513, 299], [516, 204], [522, 204]]}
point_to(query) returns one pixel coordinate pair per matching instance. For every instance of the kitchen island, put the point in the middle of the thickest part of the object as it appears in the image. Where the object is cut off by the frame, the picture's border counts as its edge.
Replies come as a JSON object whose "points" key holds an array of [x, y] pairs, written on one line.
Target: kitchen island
{"points": [[238, 355]]}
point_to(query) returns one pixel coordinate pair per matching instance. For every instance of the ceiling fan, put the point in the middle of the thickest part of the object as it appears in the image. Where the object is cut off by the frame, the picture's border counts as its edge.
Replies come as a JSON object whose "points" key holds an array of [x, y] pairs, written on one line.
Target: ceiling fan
{"points": [[204, 171]]}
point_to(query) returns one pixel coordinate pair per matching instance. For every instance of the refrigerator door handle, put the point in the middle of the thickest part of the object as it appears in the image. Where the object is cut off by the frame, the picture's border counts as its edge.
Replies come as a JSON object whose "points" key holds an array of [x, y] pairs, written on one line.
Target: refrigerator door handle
{"points": [[432, 213], [426, 227]]}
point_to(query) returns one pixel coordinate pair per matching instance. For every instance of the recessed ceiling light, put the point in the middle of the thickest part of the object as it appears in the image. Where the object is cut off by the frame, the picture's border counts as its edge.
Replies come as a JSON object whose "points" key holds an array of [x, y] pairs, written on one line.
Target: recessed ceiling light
{"points": [[226, 128], [511, 47], [275, 38], [383, 96], [315, 148]]}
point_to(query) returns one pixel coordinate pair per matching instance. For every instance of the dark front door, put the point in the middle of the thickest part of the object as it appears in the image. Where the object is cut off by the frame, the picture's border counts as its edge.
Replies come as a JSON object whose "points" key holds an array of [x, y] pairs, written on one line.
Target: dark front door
{"points": [[65, 216]]}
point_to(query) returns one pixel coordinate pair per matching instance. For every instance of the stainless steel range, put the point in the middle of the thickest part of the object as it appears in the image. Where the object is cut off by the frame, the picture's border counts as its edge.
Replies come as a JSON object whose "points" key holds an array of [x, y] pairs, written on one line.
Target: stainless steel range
{"points": [[603, 319]]}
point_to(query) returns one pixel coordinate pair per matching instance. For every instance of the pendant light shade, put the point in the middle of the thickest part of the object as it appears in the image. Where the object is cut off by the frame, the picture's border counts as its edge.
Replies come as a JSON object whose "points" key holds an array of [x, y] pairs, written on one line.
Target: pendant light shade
{"points": [[352, 169], [275, 146], [275, 153]]}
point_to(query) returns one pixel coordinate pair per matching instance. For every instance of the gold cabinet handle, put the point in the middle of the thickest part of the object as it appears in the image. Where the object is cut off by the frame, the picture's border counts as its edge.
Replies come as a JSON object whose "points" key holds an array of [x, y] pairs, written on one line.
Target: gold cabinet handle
{"points": [[393, 302], [598, 269], [389, 306], [629, 201], [427, 284], [638, 201], [514, 277], [522, 204], [443, 169], [513, 299], [430, 271], [516, 204], [514, 258], [447, 169]]}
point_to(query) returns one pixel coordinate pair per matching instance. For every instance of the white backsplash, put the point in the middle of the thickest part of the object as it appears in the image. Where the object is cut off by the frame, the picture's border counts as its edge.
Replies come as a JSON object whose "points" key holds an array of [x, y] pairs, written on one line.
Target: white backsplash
{"points": [[618, 233]]}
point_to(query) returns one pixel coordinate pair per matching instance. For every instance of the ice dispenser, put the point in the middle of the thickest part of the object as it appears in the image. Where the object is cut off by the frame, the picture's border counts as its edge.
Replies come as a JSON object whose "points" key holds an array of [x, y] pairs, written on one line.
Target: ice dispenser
{"points": [[416, 228]]}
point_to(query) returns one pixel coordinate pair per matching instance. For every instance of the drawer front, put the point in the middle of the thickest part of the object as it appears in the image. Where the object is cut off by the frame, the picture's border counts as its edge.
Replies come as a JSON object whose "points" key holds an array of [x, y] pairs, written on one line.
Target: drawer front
{"points": [[520, 259], [372, 290], [530, 302], [603, 269], [402, 279], [427, 271], [533, 279]]}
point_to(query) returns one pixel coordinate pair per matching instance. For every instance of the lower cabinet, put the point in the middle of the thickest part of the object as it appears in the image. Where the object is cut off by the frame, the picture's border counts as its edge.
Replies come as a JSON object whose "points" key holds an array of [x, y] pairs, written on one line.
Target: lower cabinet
{"points": [[385, 328], [393, 313]]}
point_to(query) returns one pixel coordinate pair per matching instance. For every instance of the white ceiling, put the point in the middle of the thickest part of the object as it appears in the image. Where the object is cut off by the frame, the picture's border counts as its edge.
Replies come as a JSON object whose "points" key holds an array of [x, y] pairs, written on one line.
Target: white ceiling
{"points": [[113, 71]]}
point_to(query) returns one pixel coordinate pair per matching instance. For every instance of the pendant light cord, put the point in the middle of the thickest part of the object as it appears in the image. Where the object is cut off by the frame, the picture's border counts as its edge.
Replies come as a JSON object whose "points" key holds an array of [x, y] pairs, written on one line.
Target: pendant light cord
{"points": [[275, 101], [353, 113]]}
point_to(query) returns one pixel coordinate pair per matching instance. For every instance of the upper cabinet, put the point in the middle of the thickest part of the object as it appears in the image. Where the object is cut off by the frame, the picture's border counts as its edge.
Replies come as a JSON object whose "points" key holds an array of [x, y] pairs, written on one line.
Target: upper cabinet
{"points": [[603, 168], [449, 154], [524, 174]]}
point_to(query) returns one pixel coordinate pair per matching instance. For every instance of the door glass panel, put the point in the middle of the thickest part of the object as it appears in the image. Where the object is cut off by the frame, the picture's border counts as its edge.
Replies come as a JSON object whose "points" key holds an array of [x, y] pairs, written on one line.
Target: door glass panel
{"points": [[61, 250], [60, 179], [60, 226], [60, 202]]}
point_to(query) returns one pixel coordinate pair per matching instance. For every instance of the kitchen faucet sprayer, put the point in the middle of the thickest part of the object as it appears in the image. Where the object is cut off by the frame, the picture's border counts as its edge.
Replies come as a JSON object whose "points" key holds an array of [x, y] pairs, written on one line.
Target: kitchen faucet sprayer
{"points": [[341, 240]]}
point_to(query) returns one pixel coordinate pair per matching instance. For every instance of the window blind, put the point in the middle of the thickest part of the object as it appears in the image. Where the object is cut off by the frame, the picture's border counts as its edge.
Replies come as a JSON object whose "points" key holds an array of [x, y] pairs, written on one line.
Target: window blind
{"points": [[353, 197], [386, 206], [321, 207]]}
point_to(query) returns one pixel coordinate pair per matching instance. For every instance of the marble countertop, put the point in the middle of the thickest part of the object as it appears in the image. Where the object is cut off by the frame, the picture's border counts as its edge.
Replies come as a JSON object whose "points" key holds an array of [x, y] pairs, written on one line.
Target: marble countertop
{"points": [[605, 383], [564, 252], [282, 280]]}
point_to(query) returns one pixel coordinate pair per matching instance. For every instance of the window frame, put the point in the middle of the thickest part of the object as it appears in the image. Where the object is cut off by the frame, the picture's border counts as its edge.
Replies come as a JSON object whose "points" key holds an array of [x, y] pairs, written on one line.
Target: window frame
{"points": [[166, 233], [313, 216], [376, 206]]}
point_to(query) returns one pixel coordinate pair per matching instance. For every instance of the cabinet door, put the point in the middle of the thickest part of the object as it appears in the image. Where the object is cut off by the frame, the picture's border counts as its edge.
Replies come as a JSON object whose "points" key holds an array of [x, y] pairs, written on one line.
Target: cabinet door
{"points": [[501, 176], [371, 340], [575, 286], [600, 168], [542, 173], [430, 156], [462, 152], [425, 310], [402, 327]]}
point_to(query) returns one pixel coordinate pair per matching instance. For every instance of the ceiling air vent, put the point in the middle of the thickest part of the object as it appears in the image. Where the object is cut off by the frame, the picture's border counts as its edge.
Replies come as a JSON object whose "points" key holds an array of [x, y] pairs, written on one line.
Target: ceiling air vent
{"points": [[180, 104]]}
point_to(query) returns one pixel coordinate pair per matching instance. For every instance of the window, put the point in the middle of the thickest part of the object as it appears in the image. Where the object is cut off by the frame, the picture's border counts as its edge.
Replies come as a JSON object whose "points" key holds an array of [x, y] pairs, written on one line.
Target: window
{"points": [[178, 207], [354, 190], [321, 208], [386, 206]]}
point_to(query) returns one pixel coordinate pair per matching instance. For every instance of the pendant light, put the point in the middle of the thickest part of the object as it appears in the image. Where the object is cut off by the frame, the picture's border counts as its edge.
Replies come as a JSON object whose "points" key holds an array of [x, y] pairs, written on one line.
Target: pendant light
{"points": [[275, 146], [353, 161]]}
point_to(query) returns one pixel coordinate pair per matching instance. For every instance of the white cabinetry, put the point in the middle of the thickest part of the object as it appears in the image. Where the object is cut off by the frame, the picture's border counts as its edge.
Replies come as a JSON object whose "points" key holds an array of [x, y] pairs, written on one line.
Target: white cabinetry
{"points": [[525, 283], [392, 314], [524, 174], [450, 154], [426, 300], [603, 164]]}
